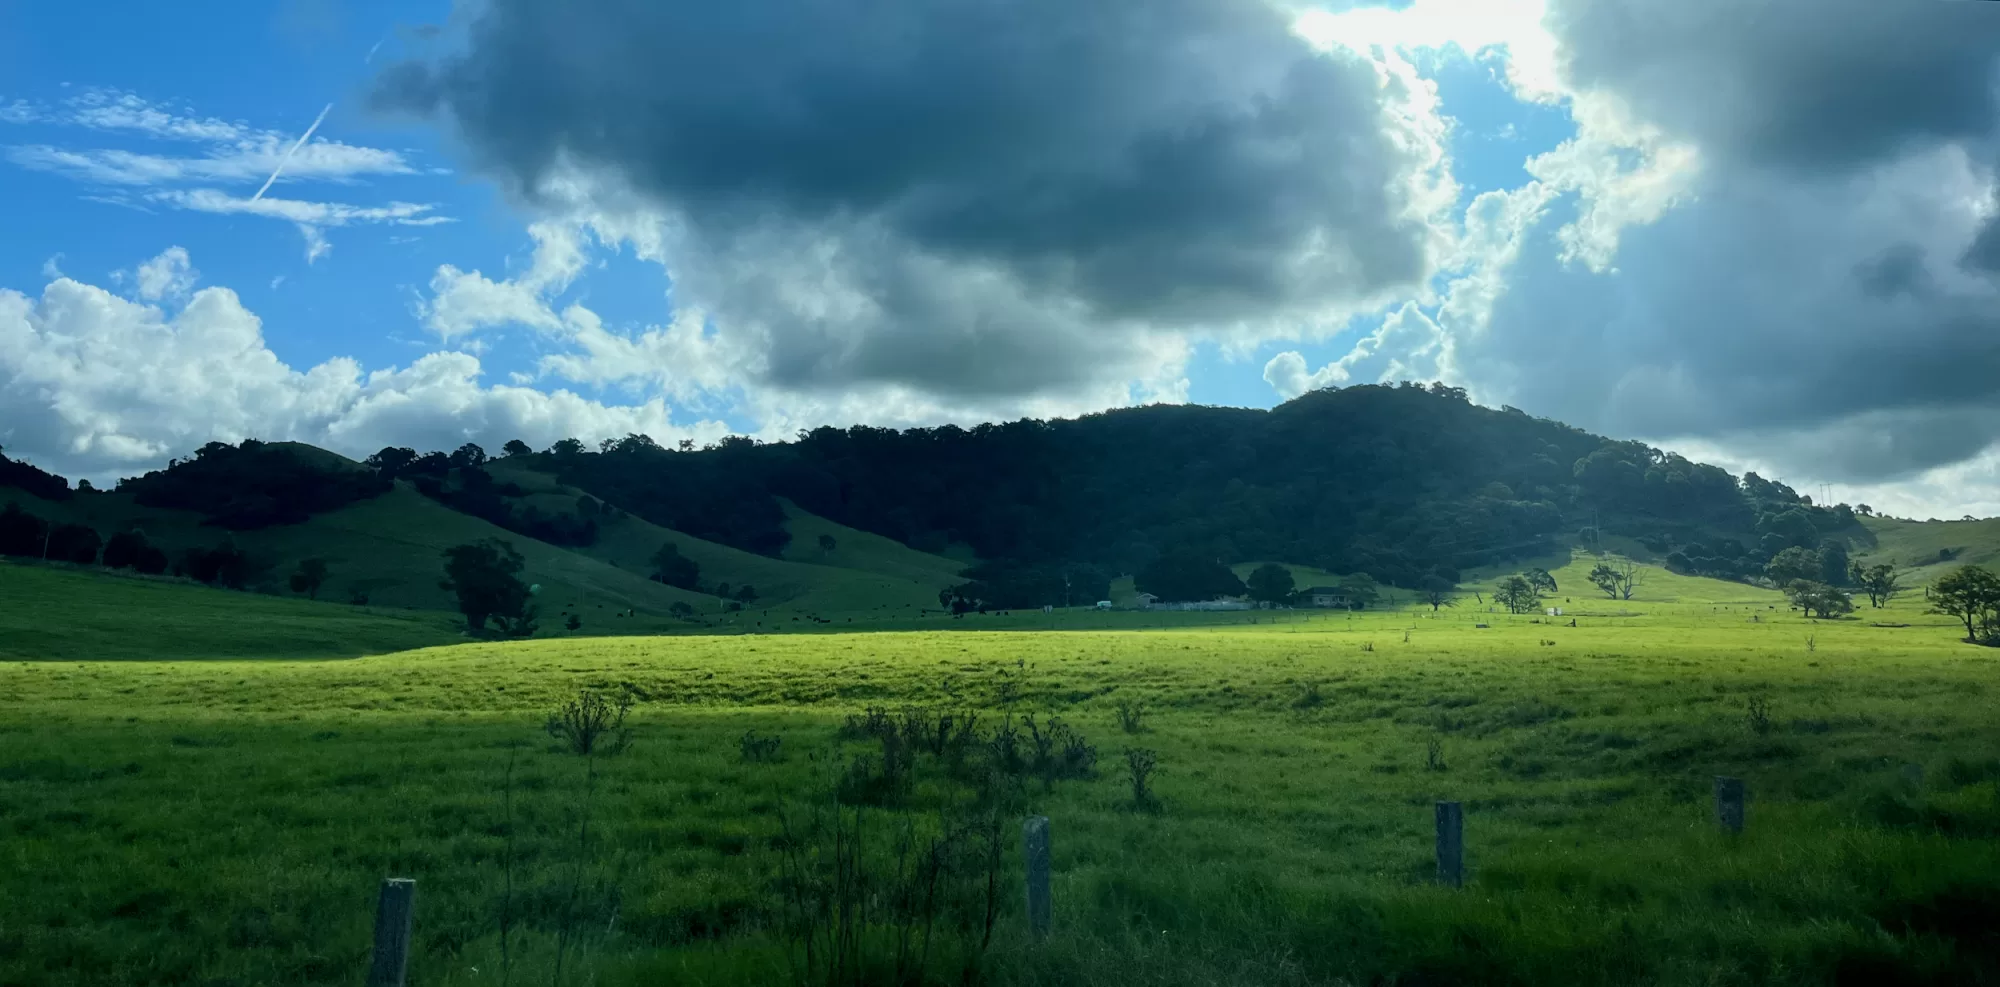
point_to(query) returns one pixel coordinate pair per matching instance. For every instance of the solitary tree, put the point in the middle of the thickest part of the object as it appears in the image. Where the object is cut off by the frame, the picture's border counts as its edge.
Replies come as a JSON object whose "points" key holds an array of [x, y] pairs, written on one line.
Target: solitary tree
{"points": [[516, 447], [1619, 580], [1972, 594], [1436, 591], [1517, 594], [485, 575], [675, 569], [826, 544], [1881, 582], [1540, 580], [1271, 583], [309, 576], [1360, 589]]}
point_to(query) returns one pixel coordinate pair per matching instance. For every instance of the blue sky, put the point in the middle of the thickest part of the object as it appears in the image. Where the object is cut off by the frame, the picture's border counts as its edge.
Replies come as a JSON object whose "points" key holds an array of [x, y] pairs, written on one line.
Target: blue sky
{"points": [[500, 229]]}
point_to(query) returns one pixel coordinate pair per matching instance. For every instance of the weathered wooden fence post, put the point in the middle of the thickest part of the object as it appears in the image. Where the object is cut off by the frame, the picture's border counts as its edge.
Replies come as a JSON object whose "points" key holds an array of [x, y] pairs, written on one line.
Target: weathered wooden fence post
{"points": [[1035, 849], [1729, 803], [392, 932], [1451, 844]]}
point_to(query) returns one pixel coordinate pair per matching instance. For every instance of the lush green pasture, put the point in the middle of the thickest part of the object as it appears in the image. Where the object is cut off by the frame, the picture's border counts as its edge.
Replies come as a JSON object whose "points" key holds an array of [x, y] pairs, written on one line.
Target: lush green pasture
{"points": [[226, 822], [61, 612]]}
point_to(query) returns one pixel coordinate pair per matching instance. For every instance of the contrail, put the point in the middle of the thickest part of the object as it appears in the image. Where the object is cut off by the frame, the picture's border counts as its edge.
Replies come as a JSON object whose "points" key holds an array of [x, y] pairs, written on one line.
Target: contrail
{"points": [[288, 154]]}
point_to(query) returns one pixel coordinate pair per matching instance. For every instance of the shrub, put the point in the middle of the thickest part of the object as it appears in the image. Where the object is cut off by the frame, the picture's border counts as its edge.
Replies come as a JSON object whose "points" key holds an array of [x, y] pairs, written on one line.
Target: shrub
{"points": [[590, 724], [1140, 763]]}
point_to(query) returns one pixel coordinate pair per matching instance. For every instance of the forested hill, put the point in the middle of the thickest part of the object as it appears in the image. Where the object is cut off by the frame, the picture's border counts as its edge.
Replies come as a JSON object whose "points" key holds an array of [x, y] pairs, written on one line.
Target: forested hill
{"points": [[1396, 481], [1401, 482]]}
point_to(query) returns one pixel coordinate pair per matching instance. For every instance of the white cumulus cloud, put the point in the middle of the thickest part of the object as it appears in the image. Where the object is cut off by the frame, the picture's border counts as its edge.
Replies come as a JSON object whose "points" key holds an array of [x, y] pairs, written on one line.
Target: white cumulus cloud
{"points": [[96, 385]]}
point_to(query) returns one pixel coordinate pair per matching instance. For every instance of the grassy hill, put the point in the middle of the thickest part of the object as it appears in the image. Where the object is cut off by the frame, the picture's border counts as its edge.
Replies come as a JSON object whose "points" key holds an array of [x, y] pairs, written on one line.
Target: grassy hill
{"points": [[388, 548], [1932, 548], [53, 612], [387, 552], [863, 551], [863, 573]]}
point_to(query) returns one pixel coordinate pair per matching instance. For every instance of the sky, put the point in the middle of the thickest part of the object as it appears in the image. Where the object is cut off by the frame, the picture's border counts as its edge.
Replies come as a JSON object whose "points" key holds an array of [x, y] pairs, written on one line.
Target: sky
{"points": [[1763, 233]]}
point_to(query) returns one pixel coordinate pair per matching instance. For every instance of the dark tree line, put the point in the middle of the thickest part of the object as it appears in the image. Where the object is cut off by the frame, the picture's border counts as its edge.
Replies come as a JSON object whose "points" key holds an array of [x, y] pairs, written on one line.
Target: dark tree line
{"points": [[255, 484], [1402, 483], [30, 479], [1398, 482]]}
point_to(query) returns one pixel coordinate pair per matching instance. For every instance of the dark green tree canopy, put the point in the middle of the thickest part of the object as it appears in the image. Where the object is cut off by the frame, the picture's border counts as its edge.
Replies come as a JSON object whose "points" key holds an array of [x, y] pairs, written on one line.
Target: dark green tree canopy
{"points": [[485, 576], [675, 569], [1271, 583], [1186, 578]]}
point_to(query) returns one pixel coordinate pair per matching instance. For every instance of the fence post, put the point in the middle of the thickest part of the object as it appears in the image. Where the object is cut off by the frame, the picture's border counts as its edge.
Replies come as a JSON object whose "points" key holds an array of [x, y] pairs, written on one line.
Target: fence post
{"points": [[1035, 849], [1729, 803], [392, 932], [1451, 844]]}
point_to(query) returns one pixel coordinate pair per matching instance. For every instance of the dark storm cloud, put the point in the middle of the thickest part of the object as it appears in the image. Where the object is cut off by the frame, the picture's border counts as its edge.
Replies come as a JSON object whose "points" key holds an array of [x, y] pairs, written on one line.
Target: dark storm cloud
{"points": [[1808, 84], [1171, 161], [1799, 322], [1808, 301], [1984, 254], [1898, 270]]}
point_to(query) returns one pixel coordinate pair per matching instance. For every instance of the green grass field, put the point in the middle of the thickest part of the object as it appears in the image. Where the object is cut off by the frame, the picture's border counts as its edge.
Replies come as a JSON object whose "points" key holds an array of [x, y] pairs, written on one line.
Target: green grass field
{"points": [[226, 820]]}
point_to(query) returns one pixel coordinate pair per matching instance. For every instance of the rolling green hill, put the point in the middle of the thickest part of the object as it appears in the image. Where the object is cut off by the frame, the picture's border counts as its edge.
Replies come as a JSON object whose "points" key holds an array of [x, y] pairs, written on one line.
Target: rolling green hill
{"points": [[863, 573], [57, 613], [1930, 549], [387, 551]]}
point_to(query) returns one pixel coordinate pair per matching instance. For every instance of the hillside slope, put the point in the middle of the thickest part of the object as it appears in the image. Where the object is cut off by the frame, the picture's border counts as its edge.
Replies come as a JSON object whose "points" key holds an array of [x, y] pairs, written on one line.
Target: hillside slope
{"points": [[388, 549], [863, 573], [52, 613], [1930, 549]]}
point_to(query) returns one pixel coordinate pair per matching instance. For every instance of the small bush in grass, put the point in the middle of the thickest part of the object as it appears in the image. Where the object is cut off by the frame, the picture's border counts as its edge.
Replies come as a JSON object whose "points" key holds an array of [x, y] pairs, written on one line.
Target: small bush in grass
{"points": [[1140, 763], [756, 747], [1131, 717], [591, 724], [1434, 755], [1757, 712]]}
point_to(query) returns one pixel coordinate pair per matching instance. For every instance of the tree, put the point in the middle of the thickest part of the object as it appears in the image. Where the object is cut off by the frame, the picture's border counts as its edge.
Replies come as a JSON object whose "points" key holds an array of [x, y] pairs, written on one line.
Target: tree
{"points": [[1819, 599], [1517, 594], [468, 454], [74, 543], [675, 569], [1271, 583], [1881, 582], [1833, 563], [1360, 589], [22, 533], [1436, 591], [486, 577], [308, 577], [1540, 580], [826, 544], [516, 447], [567, 448], [1792, 565], [1972, 594], [746, 593], [1188, 577], [1632, 575], [129, 550], [574, 623]]}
